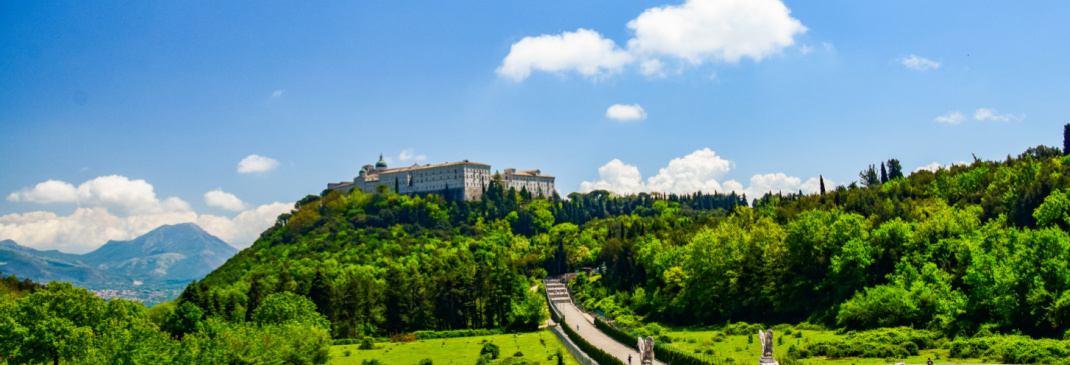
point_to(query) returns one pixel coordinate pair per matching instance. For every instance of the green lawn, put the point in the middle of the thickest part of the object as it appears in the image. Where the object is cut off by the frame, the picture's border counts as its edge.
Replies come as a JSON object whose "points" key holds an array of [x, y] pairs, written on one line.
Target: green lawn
{"points": [[737, 347], [461, 350]]}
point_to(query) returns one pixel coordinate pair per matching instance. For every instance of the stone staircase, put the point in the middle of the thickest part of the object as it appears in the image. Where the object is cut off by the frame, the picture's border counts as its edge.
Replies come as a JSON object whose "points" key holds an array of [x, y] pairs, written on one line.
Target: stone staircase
{"points": [[557, 292]]}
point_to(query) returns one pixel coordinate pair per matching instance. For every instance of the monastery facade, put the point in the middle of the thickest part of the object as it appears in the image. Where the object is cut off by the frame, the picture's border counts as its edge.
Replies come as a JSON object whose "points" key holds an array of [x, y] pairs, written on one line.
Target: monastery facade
{"points": [[464, 180]]}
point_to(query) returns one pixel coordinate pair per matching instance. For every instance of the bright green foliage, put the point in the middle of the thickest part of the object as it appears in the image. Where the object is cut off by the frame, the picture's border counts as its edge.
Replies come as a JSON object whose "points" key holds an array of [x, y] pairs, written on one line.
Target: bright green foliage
{"points": [[184, 319], [64, 324], [949, 251], [289, 308]]}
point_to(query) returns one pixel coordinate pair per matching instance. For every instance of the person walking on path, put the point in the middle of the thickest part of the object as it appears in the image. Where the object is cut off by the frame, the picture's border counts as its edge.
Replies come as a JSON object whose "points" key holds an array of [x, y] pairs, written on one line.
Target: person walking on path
{"points": [[629, 359]]}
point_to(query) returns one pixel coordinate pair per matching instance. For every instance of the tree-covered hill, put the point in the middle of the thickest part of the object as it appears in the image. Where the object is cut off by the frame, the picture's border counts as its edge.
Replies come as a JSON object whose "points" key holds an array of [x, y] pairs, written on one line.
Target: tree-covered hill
{"points": [[982, 245], [380, 263]]}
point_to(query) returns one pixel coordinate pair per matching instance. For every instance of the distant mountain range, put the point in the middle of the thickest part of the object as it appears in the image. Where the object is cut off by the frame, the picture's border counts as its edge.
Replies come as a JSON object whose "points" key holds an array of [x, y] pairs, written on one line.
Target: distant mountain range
{"points": [[168, 257]]}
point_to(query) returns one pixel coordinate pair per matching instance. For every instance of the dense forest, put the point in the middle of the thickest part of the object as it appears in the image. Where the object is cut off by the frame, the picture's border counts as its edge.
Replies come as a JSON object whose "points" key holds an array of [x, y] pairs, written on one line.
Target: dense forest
{"points": [[381, 263], [981, 245], [975, 247]]}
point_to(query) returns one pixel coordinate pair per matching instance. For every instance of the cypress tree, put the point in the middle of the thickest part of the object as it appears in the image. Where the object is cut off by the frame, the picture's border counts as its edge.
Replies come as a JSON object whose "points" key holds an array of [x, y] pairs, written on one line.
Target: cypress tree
{"points": [[1066, 139], [821, 180], [884, 174]]}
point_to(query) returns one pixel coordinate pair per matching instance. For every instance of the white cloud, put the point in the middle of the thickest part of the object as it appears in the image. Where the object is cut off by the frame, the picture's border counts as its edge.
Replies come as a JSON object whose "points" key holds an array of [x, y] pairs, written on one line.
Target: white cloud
{"points": [[919, 63], [584, 51], [697, 31], [114, 192], [89, 228], [936, 166], [51, 191], [618, 177], [277, 94], [410, 155], [626, 113], [805, 49], [256, 163], [951, 118], [993, 115], [652, 67], [118, 208], [701, 170], [723, 30], [698, 171], [225, 200], [245, 228]]}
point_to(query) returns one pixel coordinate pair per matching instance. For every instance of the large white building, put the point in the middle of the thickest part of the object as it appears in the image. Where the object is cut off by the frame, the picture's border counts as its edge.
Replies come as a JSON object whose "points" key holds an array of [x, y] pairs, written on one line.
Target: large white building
{"points": [[462, 180]]}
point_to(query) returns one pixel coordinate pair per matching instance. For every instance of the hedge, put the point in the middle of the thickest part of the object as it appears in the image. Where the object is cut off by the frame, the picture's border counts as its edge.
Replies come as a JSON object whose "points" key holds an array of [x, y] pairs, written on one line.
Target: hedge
{"points": [[662, 352], [595, 353], [427, 335]]}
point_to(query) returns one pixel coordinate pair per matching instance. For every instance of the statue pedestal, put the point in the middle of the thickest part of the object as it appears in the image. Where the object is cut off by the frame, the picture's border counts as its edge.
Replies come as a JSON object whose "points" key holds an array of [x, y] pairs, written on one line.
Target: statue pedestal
{"points": [[767, 360]]}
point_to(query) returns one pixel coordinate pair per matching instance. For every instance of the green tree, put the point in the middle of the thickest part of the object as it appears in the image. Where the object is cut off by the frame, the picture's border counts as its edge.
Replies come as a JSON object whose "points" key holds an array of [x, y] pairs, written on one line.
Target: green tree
{"points": [[868, 177], [287, 307], [895, 169]]}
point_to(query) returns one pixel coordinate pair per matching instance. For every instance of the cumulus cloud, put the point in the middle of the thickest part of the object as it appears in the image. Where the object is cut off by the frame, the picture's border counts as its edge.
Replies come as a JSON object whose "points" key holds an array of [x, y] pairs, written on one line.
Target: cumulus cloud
{"points": [[410, 155], [115, 192], [89, 228], [936, 166], [697, 31], [915, 62], [242, 230], [225, 200], [584, 51], [51, 191], [626, 113], [256, 163], [951, 118], [722, 30], [993, 115], [118, 208], [701, 170], [652, 67]]}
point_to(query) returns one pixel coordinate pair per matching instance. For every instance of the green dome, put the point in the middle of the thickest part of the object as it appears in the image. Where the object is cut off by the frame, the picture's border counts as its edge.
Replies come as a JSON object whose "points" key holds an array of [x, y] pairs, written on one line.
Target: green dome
{"points": [[381, 163]]}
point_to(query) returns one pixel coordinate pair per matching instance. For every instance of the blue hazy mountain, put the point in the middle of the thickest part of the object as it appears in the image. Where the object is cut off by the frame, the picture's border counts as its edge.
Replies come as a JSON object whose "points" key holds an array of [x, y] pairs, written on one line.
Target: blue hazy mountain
{"points": [[170, 254]]}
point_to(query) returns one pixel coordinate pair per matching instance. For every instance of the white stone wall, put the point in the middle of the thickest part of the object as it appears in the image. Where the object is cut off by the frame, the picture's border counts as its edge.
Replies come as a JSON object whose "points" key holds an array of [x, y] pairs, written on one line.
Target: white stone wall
{"points": [[533, 184]]}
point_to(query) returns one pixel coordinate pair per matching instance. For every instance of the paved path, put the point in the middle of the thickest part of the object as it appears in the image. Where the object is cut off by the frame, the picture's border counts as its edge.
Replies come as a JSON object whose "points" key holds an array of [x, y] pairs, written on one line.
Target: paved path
{"points": [[573, 317]]}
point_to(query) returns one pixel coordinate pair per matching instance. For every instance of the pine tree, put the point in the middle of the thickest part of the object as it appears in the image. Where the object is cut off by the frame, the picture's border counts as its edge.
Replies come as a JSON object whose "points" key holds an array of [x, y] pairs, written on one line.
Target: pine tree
{"points": [[895, 169]]}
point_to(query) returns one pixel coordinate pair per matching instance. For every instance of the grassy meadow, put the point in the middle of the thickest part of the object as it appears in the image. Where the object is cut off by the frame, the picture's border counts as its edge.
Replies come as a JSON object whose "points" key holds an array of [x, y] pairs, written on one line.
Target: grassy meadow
{"points": [[537, 346], [746, 349]]}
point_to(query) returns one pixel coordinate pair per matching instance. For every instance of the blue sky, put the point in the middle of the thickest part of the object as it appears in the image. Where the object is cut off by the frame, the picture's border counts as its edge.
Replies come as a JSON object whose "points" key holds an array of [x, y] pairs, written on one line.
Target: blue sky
{"points": [[136, 110]]}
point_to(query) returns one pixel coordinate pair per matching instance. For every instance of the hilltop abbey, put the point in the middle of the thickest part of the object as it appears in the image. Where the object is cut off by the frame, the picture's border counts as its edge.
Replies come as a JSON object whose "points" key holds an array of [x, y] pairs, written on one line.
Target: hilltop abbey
{"points": [[462, 180]]}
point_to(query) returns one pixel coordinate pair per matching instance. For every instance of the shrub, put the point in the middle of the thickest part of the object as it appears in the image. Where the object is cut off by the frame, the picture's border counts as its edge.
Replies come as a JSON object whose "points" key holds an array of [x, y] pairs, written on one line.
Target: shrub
{"points": [[490, 349], [371, 362], [518, 354], [426, 362], [427, 335], [741, 328], [403, 337], [347, 353], [882, 343], [367, 343]]}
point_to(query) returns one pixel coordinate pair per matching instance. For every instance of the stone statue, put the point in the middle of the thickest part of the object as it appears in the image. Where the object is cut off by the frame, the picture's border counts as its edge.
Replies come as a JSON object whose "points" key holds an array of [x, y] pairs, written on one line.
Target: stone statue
{"points": [[766, 339], [646, 350]]}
